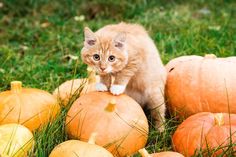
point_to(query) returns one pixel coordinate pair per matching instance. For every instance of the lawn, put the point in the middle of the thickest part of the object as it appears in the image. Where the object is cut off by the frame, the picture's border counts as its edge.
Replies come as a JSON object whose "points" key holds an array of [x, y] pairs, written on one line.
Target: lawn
{"points": [[38, 38]]}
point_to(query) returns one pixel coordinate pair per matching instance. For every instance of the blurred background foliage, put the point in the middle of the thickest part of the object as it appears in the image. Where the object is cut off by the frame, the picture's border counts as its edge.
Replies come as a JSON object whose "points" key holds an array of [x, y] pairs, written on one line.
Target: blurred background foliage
{"points": [[36, 35]]}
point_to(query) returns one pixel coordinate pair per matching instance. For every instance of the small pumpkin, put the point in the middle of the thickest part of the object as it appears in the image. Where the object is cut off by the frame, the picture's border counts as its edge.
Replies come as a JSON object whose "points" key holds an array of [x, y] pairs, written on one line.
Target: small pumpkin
{"points": [[205, 131], [72, 87], [145, 153], [27, 106], [15, 140], [119, 121], [75, 148], [201, 84]]}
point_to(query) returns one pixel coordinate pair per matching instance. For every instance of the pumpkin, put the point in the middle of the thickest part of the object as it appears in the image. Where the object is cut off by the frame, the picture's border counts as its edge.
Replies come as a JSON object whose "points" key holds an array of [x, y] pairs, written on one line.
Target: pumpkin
{"points": [[27, 106], [144, 153], [205, 131], [201, 84], [68, 89], [119, 121], [15, 140], [75, 148]]}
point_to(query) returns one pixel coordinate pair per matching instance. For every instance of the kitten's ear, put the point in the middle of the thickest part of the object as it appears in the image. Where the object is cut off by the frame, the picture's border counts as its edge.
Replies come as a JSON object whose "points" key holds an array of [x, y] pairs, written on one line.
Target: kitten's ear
{"points": [[89, 37], [119, 40]]}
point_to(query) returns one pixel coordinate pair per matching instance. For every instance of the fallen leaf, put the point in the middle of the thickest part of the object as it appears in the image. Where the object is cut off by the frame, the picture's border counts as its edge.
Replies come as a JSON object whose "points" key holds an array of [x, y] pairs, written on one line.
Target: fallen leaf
{"points": [[216, 28], [45, 24], [70, 56], [24, 48], [1, 5], [2, 70], [79, 18], [204, 11]]}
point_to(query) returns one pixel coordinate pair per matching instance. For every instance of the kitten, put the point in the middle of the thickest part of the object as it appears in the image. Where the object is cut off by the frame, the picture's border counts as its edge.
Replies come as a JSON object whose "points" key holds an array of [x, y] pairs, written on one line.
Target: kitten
{"points": [[127, 54]]}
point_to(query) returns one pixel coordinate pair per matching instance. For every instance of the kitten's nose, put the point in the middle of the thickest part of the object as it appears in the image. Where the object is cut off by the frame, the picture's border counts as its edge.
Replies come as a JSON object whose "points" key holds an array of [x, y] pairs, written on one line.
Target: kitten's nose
{"points": [[102, 68]]}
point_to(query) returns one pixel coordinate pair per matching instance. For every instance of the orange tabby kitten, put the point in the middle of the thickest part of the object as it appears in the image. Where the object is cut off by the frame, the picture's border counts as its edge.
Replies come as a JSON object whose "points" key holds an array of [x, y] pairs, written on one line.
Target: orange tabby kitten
{"points": [[127, 54]]}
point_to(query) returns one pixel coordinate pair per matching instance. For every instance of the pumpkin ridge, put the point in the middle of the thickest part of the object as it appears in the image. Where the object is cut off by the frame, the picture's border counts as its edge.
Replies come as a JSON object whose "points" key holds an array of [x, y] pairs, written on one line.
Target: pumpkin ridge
{"points": [[205, 106], [183, 95]]}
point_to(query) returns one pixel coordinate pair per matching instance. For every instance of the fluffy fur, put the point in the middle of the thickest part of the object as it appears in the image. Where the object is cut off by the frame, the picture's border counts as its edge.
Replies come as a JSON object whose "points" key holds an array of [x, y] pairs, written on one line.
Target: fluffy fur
{"points": [[128, 55]]}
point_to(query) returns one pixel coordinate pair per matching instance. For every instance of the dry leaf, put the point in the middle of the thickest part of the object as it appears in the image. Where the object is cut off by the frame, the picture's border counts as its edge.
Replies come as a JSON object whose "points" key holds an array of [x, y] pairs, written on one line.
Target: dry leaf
{"points": [[79, 18], [45, 24], [1, 5]]}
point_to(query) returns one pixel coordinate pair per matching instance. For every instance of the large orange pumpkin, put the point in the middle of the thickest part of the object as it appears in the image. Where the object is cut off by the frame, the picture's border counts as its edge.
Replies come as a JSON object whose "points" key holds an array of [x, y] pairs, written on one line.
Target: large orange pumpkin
{"points": [[72, 87], [205, 131], [15, 140], [27, 106], [144, 153], [76, 148], [119, 121], [201, 84]]}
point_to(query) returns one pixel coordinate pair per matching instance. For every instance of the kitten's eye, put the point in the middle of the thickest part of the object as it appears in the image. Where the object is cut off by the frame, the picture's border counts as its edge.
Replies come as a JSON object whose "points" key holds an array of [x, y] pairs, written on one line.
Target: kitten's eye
{"points": [[111, 58], [96, 57]]}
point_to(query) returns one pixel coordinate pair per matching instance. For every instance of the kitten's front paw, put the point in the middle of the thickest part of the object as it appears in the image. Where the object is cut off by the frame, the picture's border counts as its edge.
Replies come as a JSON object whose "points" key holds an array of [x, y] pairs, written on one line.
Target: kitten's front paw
{"points": [[117, 89], [101, 87]]}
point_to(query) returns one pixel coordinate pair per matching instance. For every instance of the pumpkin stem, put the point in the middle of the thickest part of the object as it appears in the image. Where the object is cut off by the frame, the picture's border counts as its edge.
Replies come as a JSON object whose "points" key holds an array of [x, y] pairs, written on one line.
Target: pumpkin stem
{"points": [[92, 138], [219, 119], [111, 106], [210, 56], [16, 86], [92, 75], [144, 152]]}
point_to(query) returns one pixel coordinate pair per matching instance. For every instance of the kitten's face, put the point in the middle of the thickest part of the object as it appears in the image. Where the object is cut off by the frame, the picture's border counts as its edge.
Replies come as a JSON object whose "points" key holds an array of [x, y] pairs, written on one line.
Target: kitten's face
{"points": [[105, 56]]}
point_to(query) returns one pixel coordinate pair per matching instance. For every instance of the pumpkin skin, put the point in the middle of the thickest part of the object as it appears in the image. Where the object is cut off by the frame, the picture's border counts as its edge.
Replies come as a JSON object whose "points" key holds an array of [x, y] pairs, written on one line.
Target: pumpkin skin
{"points": [[75, 148], [118, 121], [70, 88], [27, 106], [201, 84], [205, 131], [144, 153], [15, 140]]}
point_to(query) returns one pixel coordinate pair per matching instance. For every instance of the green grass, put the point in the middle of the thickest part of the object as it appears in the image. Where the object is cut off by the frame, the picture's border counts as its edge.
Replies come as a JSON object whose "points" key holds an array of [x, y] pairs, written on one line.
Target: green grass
{"points": [[35, 54]]}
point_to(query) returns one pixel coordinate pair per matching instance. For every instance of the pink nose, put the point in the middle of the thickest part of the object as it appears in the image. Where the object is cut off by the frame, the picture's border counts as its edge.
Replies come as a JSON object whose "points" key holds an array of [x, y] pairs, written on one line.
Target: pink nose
{"points": [[102, 69]]}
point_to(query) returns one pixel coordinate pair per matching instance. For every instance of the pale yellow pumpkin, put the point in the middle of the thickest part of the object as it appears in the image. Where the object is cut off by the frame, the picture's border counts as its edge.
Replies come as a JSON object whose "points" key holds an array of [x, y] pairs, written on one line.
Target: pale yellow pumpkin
{"points": [[76, 148], [15, 140]]}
